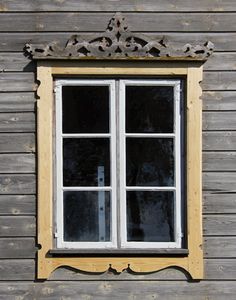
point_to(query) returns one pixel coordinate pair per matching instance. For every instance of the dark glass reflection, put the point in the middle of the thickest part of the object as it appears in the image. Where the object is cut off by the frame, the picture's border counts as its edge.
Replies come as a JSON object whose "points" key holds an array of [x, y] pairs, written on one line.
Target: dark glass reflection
{"points": [[150, 216], [149, 109], [86, 162], [87, 216], [149, 162], [85, 109]]}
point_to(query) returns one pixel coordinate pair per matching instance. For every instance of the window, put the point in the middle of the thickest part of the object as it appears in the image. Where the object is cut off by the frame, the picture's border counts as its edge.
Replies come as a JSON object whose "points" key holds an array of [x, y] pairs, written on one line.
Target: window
{"points": [[118, 155], [129, 182]]}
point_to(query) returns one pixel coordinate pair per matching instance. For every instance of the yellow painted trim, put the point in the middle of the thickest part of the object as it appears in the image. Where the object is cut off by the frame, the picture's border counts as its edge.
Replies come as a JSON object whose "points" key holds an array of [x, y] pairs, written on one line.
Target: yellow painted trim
{"points": [[193, 263]]}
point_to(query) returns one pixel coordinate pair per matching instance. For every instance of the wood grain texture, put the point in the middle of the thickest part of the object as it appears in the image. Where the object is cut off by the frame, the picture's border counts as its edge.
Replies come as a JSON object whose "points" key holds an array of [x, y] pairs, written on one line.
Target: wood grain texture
{"points": [[217, 81], [219, 100], [219, 161], [17, 122], [219, 120], [17, 142], [17, 226], [17, 184], [24, 22], [17, 102], [17, 205], [214, 247], [224, 269], [17, 269], [215, 203], [221, 141], [219, 225], [142, 290], [115, 5], [17, 163], [214, 269], [221, 62], [17, 82], [15, 62], [224, 182], [13, 41], [17, 248], [69, 274]]}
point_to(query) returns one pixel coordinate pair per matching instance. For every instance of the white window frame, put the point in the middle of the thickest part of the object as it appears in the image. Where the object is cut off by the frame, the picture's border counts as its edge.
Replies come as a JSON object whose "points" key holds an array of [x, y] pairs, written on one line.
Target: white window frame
{"points": [[177, 154], [117, 129], [60, 243]]}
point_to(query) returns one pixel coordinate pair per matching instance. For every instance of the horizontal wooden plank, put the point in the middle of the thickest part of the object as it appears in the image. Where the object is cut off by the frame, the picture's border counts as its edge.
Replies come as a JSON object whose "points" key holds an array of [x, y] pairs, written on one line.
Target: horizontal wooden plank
{"points": [[219, 247], [221, 61], [17, 82], [219, 81], [219, 181], [221, 140], [223, 269], [141, 290], [218, 161], [219, 203], [17, 184], [15, 62], [17, 269], [211, 272], [219, 120], [206, 22], [11, 41], [17, 102], [17, 248], [219, 100], [219, 225], [72, 274], [17, 142], [17, 122], [121, 5], [17, 226], [17, 205], [17, 163]]}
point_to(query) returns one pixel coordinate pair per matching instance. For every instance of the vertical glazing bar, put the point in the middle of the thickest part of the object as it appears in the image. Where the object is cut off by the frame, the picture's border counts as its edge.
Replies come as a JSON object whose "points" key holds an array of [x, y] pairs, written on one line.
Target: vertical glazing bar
{"points": [[101, 206], [59, 166], [123, 218], [178, 231], [113, 162]]}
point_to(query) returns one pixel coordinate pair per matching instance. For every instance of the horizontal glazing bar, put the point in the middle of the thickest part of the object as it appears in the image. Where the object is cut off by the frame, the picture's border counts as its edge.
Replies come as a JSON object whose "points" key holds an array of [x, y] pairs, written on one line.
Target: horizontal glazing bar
{"points": [[151, 188], [86, 135], [87, 188], [150, 135]]}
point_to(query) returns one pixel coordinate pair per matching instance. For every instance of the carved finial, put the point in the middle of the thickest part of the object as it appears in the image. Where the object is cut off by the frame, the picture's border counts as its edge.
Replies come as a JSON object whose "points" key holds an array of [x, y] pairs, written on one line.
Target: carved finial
{"points": [[118, 42]]}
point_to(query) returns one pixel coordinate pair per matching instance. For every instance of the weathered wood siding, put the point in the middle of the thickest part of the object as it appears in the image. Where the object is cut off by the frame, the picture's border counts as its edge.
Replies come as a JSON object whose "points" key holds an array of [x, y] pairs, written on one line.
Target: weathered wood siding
{"points": [[180, 21]]}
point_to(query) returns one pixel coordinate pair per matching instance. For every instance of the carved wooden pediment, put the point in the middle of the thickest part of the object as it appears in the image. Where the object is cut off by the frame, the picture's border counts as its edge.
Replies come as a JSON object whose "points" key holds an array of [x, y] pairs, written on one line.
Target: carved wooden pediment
{"points": [[118, 42]]}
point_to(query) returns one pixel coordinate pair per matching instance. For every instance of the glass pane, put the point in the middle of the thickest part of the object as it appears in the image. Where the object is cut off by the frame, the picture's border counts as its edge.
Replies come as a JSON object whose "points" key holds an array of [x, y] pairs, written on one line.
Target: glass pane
{"points": [[86, 161], [87, 216], [85, 109], [150, 216], [149, 109], [149, 162]]}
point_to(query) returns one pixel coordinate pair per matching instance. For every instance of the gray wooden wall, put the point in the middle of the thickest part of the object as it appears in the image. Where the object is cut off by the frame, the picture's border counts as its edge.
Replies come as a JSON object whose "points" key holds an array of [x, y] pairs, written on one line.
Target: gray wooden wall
{"points": [[180, 21]]}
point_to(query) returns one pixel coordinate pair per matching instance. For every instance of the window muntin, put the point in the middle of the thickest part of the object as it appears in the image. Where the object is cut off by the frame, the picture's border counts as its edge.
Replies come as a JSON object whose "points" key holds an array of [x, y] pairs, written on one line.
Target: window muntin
{"points": [[157, 189]]}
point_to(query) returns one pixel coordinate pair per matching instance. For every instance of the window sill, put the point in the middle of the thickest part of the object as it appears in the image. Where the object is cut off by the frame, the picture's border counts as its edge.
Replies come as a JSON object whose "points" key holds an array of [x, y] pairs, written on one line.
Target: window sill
{"points": [[119, 252]]}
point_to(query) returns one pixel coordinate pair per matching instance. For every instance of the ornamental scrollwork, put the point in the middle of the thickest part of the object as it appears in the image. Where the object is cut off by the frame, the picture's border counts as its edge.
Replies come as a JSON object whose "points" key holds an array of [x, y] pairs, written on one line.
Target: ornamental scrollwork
{"points": [[118, 42]]}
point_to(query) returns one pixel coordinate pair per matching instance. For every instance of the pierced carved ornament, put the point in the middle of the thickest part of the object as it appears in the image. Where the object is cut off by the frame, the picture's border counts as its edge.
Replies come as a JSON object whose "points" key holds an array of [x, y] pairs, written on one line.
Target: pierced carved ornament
{"points": [[118, 42]]}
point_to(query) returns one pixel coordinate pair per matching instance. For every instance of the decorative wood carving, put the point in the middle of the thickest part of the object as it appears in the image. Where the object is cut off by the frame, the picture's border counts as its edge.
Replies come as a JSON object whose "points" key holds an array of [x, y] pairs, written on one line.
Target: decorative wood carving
{"points": [[118, 42]]}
